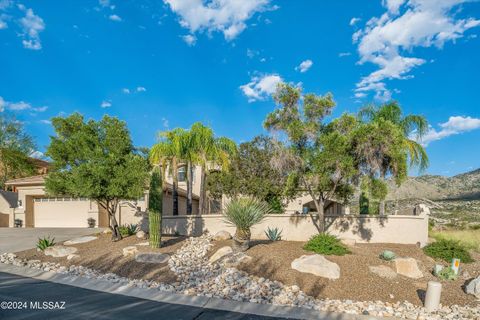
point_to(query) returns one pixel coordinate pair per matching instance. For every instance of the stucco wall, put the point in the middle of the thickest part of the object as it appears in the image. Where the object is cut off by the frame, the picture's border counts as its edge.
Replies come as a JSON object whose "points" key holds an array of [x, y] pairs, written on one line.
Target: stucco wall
{"points": [[373, 229]]}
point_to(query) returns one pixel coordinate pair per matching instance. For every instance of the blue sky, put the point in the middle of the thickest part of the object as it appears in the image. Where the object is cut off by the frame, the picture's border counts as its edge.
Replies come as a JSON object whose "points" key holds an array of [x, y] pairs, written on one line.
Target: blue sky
{"points": [[165, 64]]}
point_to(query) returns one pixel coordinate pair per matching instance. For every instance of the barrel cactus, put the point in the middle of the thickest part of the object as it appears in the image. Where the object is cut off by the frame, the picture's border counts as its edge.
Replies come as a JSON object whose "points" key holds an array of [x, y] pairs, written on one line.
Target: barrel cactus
{"points": [[387, 255]]}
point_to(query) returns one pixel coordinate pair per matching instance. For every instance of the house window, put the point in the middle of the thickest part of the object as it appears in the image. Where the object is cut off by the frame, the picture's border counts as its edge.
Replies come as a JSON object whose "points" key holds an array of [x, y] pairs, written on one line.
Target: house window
{"points": [[182, 174]]}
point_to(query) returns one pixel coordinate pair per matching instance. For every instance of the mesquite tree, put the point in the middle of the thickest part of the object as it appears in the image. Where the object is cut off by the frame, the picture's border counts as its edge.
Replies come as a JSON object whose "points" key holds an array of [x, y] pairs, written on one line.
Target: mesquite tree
{"points": [[155, 209], [96, 160]]}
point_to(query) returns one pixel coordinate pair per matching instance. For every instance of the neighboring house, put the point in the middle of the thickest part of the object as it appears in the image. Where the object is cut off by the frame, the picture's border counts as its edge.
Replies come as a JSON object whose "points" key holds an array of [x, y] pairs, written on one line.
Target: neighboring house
{"points": [[8, 202]]}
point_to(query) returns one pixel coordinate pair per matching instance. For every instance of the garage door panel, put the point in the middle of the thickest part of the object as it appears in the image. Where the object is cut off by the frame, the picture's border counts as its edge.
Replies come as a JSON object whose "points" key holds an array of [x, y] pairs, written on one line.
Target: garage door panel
{"points": [[51, 213]]}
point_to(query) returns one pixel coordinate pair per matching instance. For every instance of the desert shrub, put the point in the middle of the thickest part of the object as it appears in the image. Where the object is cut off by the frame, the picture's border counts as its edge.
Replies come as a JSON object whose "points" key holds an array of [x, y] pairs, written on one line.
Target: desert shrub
{"points": [[447, 250], [326, 244], [447, 274], [45, 242], [273, 234], [387, 255], [128, 229]]}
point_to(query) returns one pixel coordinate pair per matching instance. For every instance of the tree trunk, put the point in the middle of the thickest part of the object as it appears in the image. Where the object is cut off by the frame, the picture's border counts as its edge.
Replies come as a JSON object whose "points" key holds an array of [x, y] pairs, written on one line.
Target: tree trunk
{"points": [[201, 202], [189, 187], [116, 235], [175, 187]]}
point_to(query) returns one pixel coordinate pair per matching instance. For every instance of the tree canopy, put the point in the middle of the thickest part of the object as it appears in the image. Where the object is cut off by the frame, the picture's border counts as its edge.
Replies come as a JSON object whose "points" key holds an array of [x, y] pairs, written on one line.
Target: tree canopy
{"points": [[96, 160]]}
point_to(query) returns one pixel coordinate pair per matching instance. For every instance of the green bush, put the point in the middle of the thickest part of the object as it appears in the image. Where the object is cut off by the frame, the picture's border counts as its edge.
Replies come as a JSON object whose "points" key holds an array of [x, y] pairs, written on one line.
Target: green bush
{"points": [[447, 250], [44, 243], [447, 274], [326, 244], [128, 229]]}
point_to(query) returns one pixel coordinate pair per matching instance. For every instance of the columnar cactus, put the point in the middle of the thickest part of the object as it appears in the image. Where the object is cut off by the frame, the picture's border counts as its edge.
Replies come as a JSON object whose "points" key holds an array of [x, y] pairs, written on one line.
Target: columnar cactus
{"points": [[155, 209]]}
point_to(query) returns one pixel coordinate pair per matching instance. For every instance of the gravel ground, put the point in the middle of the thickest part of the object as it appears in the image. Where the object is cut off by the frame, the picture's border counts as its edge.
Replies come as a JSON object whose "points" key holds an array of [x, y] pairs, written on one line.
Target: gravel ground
{"points": [[272, 260], [105, 256]]}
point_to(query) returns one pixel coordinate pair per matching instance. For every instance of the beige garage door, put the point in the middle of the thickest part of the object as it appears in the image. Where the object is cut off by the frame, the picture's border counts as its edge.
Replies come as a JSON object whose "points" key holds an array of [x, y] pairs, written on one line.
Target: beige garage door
{"points": [[61, 212]]}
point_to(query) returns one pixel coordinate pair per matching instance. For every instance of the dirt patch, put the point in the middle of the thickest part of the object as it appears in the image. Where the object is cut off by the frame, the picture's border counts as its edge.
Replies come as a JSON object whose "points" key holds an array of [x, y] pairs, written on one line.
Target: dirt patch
{"points": [[272, 260], [106, 256]]}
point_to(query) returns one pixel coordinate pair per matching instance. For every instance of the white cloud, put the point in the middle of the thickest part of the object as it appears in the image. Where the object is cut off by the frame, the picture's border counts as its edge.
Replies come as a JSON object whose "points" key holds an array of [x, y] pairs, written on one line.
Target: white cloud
{"points": [[260, 88], [44, 121], [32, 25], [189, 39], [226, 16], [19, 106], [455, 125], [386, 40], [141, 89], [165, 123], [105, 104], [305, 65], [344, 54], [354, 20], [115, 17], [126, 90], [104, 3]]}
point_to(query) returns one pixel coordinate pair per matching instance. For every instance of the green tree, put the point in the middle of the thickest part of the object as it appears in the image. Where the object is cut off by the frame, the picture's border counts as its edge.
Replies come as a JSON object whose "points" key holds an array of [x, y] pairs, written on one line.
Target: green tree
{"points": [[317, 157], [15, 147], [389, 143], [211, 153], [96, 160], [251, 174], [155, 202]]}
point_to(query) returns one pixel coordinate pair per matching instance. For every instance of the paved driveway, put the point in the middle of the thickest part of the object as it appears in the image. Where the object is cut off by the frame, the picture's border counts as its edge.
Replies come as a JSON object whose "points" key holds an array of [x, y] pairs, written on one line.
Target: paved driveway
{"points": [[18, 239]]}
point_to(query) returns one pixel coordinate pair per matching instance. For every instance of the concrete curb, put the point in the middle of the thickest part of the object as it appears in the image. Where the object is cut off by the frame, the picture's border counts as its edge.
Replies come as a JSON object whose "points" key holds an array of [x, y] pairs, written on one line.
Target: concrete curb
{"points": [[175, 298]]}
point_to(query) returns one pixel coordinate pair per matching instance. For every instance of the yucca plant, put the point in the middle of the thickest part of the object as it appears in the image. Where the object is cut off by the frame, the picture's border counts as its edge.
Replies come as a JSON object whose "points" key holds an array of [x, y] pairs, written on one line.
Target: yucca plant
{"points": [[273, 234], [244, 213], [44, 243]]}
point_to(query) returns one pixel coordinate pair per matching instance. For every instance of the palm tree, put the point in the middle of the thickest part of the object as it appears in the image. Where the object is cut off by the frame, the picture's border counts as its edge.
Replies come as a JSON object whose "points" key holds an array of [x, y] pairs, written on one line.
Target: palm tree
{"points": [[209, 152], [412, 127]]}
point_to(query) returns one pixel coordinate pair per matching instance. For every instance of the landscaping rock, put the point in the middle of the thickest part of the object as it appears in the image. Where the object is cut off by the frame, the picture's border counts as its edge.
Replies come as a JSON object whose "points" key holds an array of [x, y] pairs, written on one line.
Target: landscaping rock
{"points": [[141, 235], [73, 256], [383, 271], [59, 251], [152, 257], [107, 231], [474, 287], [222, 235], [222, 252], [408, 267], [79, 240], [317, 265], [146, 243], [130, 251]]}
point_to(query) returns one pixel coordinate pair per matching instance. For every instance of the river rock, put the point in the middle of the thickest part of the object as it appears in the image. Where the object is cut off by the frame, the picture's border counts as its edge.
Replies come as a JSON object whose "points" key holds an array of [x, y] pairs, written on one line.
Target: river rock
{"points": [[130, 251], [222, 252], [73, 256], [222, 235], [141, 235], [317, 264], [474, 287], [79, 240], [408, 267], [152, 257], [59, 251], [383, 271]]}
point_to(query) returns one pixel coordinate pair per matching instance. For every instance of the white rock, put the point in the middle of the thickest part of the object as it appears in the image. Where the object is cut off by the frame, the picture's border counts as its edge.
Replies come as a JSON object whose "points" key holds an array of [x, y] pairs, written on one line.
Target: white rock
{"points": [[317, 264], [72, 256], [141, 235], [383, 271], [79, 240], [152, 257], [473, 287], [222, 252], [107, 231], [408, 267], [222, 235], [130, 251], [146, 243], [59, 251]]}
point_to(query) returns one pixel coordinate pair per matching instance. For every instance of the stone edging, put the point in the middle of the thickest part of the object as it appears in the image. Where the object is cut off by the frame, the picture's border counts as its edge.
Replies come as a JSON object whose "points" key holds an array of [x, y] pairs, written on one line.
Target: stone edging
{"points": [[175, 298]]}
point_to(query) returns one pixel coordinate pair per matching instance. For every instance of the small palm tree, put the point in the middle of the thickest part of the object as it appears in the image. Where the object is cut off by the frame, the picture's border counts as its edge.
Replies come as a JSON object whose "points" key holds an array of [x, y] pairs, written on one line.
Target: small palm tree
{"points": [[244, 213]]}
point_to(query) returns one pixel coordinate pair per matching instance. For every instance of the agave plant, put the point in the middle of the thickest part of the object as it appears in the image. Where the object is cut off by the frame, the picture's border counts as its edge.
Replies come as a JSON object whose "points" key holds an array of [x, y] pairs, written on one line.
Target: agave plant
{"points": [[243, 213], [44, 243], [273, 234]]}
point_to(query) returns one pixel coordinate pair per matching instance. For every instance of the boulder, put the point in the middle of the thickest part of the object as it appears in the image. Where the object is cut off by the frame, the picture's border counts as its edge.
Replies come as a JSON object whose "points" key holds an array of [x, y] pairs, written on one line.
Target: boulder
{"points": [[383, 271], [474, 287], [222, 235], [408, 267], [222, 252], [59, 251], [317, 264], [73, 256], [141, 234], [152, 257], [130, 251], [79, 240]]}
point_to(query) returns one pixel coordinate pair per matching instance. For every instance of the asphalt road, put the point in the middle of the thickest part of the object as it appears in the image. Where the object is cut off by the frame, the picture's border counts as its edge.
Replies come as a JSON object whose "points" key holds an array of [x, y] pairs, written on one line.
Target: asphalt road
{"points": [[68, 302], [19, 239]]}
